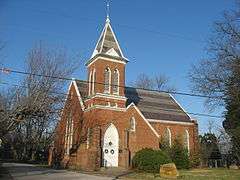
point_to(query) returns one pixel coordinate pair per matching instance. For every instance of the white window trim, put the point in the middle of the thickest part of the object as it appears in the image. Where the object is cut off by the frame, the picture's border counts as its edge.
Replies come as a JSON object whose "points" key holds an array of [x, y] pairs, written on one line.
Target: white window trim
{"points": [[89, 83], [169, 136], [133, 129], [69, 134], [109, 80], [93, 81], [118, 74], [188, 143]]}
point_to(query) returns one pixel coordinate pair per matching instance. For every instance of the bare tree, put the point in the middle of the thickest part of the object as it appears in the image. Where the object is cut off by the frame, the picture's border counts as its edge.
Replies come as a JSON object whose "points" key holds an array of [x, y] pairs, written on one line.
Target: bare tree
{"points": [[209, 76], [159, 82], [38, 102], [144, 81], [219, 74]]}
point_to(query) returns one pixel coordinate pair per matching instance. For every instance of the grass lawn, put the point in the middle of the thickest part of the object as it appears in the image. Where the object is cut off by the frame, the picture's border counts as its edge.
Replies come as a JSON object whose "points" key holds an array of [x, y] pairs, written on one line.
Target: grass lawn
{"points": [[194, 174]]}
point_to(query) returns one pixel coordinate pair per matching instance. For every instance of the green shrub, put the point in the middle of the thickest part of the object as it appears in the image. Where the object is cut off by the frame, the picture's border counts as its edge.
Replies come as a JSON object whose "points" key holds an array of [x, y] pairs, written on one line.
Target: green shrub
{"points": [[149, 160], [179, 155], [195, 160]]}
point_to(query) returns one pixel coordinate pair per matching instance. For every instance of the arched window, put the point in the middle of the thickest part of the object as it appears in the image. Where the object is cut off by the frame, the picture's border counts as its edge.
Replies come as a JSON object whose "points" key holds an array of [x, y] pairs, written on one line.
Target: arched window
{"points": [[186, 140], [168, 137], [132, 124], [116, 81], [93, 81], [107, 80], [89, 83]]}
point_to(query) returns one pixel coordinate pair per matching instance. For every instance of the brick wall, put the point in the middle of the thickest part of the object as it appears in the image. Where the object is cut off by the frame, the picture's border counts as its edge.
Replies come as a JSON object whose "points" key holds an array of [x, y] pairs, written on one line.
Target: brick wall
{"points": [[100, 65], [89, 158]]}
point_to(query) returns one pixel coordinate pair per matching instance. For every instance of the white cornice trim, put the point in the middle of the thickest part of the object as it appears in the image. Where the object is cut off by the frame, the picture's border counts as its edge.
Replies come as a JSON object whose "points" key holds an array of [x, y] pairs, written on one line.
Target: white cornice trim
{"points": [[116, 40], [95, 49], [65, 100], [145, 120], [180, 106], [170, 122], [106, 59], [79, 95], [109, 96], [113, 108]]}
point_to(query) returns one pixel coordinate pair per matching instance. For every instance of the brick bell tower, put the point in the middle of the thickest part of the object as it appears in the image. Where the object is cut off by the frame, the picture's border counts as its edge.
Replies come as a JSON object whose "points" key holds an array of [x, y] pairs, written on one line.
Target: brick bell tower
{"points": [[106, 72]]}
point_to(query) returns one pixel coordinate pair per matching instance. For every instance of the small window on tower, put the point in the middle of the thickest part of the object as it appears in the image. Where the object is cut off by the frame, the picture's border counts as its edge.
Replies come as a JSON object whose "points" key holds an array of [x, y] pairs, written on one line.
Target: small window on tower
{"points": [[116, 81], [107, 80], [90, 83], [93, 81]]}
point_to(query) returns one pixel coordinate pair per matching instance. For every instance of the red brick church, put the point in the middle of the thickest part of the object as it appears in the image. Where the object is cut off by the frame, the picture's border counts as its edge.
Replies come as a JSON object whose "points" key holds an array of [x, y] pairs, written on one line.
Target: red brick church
{"points": [[104, 123]]}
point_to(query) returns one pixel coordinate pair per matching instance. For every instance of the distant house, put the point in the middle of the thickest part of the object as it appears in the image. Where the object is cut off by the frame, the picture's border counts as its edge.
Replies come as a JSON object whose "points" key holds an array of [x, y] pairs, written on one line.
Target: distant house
{"points": [[105, 123]]}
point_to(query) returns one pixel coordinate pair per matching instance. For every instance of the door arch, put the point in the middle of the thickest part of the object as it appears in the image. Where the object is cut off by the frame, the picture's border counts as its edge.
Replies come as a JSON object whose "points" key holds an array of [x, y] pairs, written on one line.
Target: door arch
{"points": [[110, 147]]}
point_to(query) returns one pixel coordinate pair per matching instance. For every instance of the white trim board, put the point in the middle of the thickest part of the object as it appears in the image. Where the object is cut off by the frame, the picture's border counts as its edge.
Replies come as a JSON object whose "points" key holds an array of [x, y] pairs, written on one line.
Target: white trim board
{"points": [[79, 95], [113, 108], [109, 96], [170, 122], [145, 120], [180, 106], [106, 59], [115, 39]]}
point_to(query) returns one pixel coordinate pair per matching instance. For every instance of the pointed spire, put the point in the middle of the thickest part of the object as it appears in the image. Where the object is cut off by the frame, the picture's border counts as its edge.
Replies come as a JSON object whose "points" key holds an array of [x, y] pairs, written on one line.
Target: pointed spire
{"points": [[107, 43]]}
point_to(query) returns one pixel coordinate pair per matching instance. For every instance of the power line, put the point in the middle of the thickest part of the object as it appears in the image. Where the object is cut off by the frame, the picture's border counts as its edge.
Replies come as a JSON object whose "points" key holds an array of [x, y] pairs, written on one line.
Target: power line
{"points": [[7, 70], [163, 109], [92, 20]]}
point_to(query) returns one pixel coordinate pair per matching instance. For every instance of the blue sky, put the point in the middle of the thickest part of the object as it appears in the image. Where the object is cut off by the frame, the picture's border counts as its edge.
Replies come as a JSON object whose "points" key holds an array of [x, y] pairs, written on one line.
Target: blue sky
{"points": [[156, 36]]}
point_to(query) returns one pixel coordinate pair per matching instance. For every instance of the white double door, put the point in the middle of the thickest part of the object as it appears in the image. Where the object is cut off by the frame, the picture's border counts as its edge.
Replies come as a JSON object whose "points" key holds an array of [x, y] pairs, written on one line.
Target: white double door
{"points": [[111, 147]]}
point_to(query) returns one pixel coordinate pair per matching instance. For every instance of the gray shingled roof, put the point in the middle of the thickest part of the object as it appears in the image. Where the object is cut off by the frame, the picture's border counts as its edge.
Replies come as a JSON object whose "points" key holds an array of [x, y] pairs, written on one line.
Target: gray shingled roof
{"points": [[156, 105], [152, 104]]}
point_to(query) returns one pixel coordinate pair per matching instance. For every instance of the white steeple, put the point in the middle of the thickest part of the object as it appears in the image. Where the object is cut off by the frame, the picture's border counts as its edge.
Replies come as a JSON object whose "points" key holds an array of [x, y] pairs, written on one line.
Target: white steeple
{"points": [[108, 43]]}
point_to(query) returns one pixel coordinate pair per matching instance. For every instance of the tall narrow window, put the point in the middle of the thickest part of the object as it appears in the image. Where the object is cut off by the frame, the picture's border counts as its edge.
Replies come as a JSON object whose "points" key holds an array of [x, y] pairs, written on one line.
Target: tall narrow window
{"points": [[89, 83], [186, 140], [116, 81], [69, 134], [107, 80], [89, 134], [132, 124], [168, 137], [93, 81]]}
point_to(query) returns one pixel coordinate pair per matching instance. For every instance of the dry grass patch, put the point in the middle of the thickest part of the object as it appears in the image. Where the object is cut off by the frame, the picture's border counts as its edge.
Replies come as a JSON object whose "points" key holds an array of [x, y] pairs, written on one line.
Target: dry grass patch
{"points": [[193, 174]]}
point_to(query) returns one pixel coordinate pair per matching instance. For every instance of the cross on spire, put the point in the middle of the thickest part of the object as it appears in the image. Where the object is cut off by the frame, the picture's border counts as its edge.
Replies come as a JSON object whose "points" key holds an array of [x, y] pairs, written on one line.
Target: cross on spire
{"points": [[108, 9], [107, 44]]}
